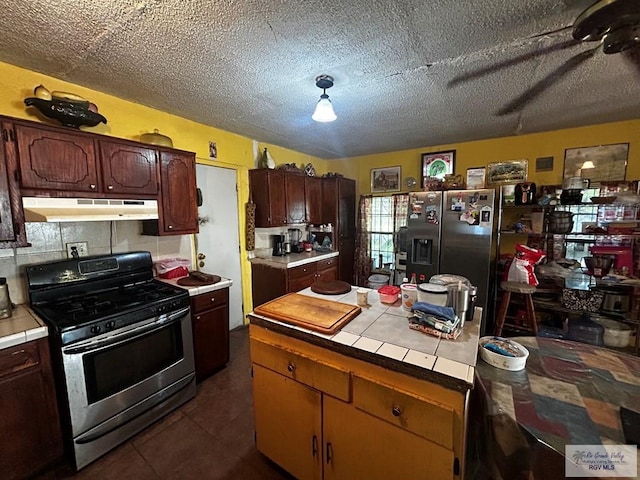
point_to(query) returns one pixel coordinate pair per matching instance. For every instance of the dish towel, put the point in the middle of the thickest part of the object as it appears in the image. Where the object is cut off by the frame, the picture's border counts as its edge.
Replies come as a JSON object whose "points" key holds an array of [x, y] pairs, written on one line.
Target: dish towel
{"points": [[446, 314]]}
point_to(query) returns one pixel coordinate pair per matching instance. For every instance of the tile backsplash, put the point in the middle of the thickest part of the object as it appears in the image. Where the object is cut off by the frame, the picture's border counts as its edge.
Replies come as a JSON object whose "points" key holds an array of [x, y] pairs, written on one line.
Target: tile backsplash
{"points": [[48, 243]]}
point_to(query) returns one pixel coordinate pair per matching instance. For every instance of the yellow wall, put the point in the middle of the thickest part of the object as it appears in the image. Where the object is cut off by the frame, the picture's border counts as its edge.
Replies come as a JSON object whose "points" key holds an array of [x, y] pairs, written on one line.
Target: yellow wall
{"points": [[128, 120], [482, 152]]}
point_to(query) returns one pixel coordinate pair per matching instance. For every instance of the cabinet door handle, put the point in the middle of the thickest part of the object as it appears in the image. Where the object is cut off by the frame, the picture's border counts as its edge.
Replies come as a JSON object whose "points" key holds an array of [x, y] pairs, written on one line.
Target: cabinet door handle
{"points": [[329, 452], [92, 186], [170, 227], [198, 317], [396, 411], [109, 187], [314, 445], [213, 299], [291, 367]]}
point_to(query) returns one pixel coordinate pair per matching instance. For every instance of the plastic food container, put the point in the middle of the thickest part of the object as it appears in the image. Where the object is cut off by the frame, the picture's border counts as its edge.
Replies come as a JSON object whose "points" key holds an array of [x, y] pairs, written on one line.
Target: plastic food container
{"points": [[491, 348], [433, 294], [388, 293], [172, 267], [377, 280], [616, 334], [586, 331], [409, 293]]}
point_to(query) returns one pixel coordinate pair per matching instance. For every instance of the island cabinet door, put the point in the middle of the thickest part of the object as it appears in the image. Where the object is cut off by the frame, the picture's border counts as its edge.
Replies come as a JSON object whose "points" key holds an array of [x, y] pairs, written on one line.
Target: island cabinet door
{"points": [[358, 445], [288, 423]]}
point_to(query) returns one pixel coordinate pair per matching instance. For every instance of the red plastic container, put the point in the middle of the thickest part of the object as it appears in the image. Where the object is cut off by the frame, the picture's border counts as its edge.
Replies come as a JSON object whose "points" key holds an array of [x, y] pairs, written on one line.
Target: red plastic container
{"points": [[389, 293]]}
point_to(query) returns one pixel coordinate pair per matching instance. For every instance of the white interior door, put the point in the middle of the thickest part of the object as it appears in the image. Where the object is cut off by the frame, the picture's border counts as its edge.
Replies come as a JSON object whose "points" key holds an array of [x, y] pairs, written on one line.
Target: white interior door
{"points": [[218, 239]]}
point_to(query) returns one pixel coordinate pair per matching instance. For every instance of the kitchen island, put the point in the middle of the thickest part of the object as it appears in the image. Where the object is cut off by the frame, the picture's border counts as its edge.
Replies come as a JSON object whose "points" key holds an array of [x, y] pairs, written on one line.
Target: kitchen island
{"points": [[373, 400]]}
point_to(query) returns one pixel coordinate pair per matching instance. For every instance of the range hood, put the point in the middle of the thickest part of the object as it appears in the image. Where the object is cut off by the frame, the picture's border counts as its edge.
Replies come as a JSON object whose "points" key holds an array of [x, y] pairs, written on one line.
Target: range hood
{"points": [[41, 209]]}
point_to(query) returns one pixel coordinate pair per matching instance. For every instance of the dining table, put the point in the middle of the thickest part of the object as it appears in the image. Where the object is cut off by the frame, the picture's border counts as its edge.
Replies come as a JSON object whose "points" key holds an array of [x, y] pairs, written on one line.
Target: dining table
{"points": [[569, 393]]}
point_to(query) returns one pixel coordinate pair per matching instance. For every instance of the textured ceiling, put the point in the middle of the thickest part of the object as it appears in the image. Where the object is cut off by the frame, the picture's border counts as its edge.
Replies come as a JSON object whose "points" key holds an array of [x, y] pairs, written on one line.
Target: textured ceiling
{"points": [[404, 70]]}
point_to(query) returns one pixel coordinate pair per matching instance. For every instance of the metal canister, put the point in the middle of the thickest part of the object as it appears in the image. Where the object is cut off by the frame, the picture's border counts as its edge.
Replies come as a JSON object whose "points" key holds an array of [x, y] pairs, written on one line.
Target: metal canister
{"points": [[473, 297], [5, 300]]}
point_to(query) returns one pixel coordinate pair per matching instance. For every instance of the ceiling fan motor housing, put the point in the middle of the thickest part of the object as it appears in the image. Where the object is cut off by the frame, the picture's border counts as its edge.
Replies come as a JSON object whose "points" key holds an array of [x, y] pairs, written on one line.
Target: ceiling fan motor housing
{"points": [[614, 22]]}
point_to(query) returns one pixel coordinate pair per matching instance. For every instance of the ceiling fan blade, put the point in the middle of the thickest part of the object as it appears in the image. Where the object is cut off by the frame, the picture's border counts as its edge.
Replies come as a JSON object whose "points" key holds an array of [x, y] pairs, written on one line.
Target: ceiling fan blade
{"points": [[574, 62], [551, 32], [512, 61], [632, 55]]}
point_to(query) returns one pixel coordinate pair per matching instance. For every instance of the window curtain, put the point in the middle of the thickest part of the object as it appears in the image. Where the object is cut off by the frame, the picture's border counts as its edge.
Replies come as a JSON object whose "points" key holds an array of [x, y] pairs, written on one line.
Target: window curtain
{"points": [[400, 206], [363, 256]]}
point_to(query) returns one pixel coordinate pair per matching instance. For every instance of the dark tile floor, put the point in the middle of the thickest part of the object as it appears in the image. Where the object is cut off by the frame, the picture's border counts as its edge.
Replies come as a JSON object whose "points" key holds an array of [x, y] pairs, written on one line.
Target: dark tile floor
{"points": [[210, 437]]}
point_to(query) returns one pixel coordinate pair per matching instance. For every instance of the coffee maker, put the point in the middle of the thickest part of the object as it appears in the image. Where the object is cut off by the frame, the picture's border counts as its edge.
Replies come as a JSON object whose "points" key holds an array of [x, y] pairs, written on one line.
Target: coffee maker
{"points": [[278, 245]]}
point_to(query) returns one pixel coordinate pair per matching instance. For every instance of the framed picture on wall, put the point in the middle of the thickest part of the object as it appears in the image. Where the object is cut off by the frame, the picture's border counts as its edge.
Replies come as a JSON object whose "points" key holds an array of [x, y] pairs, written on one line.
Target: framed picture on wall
{"points": [[601, 163], [437, 164], [513, 171], [385, 179], [476, 178]]}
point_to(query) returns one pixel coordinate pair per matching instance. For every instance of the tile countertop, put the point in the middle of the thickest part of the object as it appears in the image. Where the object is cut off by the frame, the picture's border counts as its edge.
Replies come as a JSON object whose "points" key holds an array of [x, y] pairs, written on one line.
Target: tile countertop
{"points": [[381, 334], [224, 283], [23, 326], [294, 259]]}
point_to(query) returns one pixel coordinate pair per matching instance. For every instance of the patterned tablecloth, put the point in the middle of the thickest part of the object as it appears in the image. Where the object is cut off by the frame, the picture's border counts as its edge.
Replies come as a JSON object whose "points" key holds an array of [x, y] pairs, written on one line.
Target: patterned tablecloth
{"points": [[569, 393]]}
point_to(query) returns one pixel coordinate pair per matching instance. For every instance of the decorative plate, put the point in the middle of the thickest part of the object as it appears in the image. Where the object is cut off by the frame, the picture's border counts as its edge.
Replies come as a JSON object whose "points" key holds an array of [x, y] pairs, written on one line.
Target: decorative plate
{"points": [[309, 170]]}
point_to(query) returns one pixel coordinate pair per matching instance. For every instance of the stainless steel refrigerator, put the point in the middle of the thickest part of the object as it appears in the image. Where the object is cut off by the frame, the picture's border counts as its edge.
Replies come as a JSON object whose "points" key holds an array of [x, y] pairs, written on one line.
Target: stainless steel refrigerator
{"points": [[454, 231]]}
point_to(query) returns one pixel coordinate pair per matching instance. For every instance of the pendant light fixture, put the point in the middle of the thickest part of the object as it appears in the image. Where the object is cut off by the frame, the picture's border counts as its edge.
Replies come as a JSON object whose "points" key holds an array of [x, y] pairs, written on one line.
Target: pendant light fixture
{"points": [[324, 110]]}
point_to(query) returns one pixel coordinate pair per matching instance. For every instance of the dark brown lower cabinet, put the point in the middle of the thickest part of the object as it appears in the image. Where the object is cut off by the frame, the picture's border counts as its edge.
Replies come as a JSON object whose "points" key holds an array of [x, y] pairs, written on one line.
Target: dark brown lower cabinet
{"points": [[210, 324], [29, 421], [269, 282]]}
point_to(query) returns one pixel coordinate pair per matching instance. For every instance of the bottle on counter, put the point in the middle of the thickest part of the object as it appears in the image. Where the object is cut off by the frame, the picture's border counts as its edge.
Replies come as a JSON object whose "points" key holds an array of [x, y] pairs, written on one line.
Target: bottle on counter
{"points": [[413, 279], [5, 300]]}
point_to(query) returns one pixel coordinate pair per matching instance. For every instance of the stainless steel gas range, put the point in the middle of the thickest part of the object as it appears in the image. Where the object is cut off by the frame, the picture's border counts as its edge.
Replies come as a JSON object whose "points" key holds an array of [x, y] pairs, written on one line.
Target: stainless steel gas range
{"points": [[121, 342]]}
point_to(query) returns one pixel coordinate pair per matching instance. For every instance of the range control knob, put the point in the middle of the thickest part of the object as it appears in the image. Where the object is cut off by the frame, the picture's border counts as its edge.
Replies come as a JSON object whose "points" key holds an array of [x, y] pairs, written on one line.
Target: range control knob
{"points": [[110, 325], [95, 329]]}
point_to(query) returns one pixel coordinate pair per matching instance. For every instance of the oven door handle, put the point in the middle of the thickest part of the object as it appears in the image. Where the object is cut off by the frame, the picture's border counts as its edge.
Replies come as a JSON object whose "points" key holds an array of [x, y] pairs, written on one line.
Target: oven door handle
{"points": [[111, 340]]}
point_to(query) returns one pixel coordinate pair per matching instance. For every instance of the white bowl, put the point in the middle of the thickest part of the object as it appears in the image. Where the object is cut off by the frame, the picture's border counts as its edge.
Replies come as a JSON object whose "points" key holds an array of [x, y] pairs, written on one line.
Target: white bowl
{"points": [[502, 361]]}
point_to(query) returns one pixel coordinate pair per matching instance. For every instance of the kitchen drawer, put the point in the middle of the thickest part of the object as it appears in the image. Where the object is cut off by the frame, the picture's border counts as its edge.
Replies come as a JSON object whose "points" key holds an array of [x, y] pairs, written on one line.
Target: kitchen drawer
{"points": [[205, 301], [300, 283], [301, 271], [326, 263], [18, 358], [426, 418], [320, 376]]}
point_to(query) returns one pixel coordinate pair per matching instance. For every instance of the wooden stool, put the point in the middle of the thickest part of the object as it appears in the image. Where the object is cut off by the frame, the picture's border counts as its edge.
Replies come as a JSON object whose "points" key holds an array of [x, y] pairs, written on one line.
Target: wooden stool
{"points": [[526, 291]]}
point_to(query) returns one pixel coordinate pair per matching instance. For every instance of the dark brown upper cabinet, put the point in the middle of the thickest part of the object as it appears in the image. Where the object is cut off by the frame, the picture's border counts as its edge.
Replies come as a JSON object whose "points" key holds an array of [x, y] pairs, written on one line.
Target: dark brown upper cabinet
{"points": [[127, 169], [54, 160], [12, 231], [313, 199]]}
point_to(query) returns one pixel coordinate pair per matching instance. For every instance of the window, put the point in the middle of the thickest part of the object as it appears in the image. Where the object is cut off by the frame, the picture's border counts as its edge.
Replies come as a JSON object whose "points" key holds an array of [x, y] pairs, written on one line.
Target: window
{"points": [[386, 215]]}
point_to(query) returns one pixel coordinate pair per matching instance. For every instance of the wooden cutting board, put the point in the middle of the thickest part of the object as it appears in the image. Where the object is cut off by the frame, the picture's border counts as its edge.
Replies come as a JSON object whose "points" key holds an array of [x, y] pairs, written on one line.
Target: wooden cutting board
{"points": [[318, 314], [194, 282]]}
